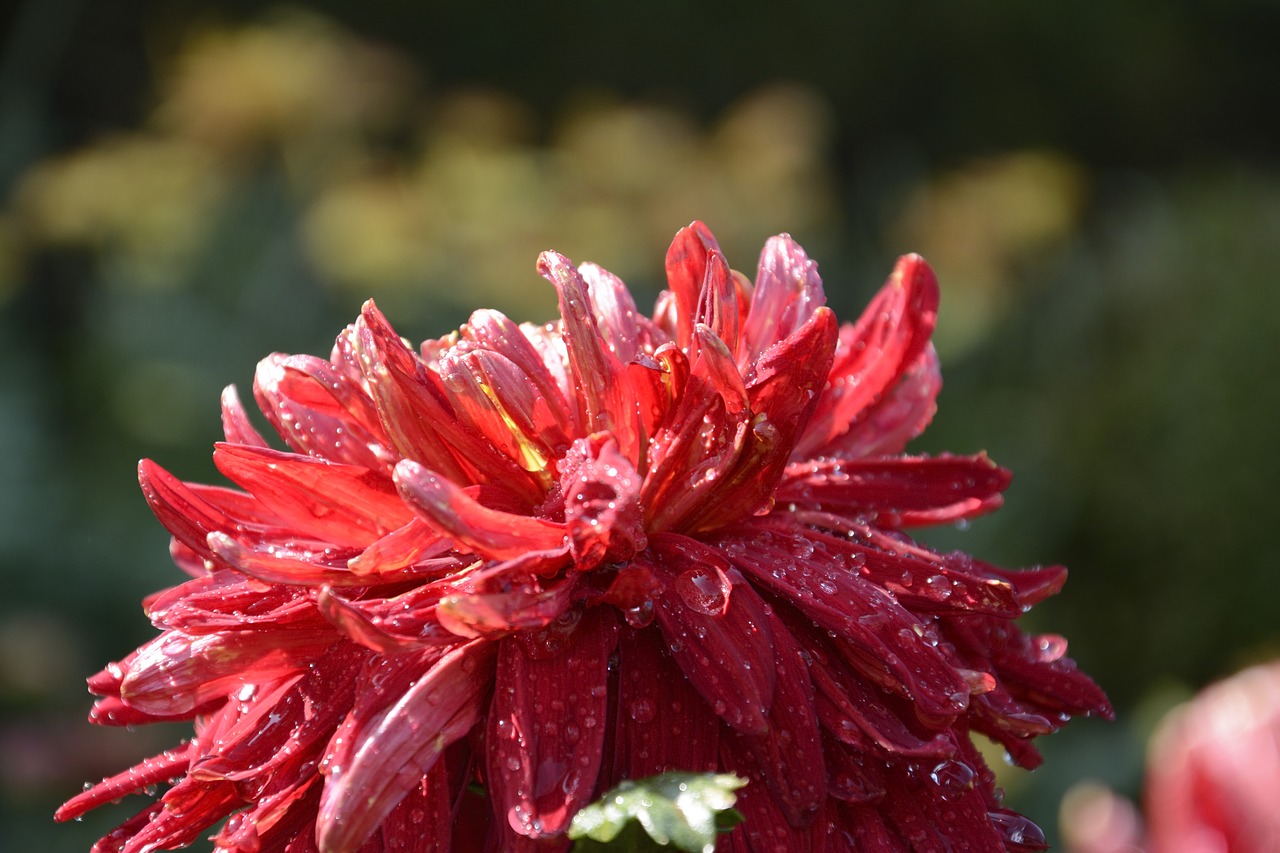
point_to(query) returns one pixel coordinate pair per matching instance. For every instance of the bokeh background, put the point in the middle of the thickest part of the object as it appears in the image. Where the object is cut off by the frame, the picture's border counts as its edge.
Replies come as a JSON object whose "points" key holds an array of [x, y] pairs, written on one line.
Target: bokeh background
{"points": [[188, 186]]}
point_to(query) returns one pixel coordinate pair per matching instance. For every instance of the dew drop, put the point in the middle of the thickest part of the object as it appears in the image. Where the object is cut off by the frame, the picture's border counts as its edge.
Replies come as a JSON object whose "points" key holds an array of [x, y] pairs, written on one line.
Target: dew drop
{"points": [[955, 778], [703, 589]]}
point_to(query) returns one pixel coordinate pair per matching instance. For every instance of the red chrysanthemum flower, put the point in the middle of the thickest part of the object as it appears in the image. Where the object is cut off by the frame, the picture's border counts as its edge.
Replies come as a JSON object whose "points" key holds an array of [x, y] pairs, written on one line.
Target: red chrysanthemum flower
{"points": [[494, 576]]}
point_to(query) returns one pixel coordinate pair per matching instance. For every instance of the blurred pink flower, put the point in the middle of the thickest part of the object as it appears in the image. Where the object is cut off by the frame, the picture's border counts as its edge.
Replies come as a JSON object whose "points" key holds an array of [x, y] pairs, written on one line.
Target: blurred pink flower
{"points": [[545, 559], [1213, 771]]}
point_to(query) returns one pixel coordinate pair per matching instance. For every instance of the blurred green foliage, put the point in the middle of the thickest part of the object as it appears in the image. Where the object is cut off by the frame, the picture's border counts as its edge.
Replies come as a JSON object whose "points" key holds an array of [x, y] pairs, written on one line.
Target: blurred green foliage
{"points": [[187, 187]]}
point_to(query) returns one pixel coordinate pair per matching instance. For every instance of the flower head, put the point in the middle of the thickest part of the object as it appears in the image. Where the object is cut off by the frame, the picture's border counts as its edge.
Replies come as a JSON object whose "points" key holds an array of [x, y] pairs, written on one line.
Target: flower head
{"points": [[546, 559]]}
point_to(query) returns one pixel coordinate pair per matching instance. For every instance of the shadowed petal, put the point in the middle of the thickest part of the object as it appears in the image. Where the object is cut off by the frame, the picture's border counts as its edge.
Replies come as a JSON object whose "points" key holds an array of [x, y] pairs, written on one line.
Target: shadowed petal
{"points": [[663, 723], [900, 491], [717, 630], [547, 726], [392, 751], [898, 416], [790, 755], [891, 637]]}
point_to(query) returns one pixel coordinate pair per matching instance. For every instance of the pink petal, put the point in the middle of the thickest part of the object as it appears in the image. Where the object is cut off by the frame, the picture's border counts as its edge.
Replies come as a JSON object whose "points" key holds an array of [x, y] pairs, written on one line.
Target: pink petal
{"points": [[148, 772], [492, 398], [547, 726], [344, 504], [621, 326], [283, 565], [534, 433], [498, 334], [235, 422], [523, 608], [787, 293], [184, 513], [392, 751], [319, 411], [411, 545], [402, 623], [287, 722], [900, 415], [228, 601], [487, 532], [601, 493], [605, 400]]}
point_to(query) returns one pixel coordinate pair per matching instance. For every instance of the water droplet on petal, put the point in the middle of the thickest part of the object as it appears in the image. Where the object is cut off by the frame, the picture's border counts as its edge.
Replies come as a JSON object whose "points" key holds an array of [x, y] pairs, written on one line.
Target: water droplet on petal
{"points": [[704, 589]]}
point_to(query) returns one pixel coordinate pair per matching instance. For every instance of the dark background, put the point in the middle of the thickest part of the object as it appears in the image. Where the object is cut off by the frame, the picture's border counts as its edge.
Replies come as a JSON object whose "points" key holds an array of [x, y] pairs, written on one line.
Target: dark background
{"points": [[186, 187]]}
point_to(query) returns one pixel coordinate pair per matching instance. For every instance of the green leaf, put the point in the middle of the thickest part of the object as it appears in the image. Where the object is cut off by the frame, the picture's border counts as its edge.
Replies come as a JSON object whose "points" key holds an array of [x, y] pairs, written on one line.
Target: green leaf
{"points": [[681, 810]]}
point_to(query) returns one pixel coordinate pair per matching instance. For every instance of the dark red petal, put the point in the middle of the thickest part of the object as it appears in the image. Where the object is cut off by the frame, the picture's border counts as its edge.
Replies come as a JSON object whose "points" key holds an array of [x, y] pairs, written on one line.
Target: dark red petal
{"points": [[898, 491], [719, 636], [392, 751], [788, 291], [920, 579], [861, 714], [892, 639], [789, 756], [663, 723], [917, 795], [765, 827], [896, 417], [547, 725], [875, 353], [489, 533], [345, 504], [423, 821]]}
